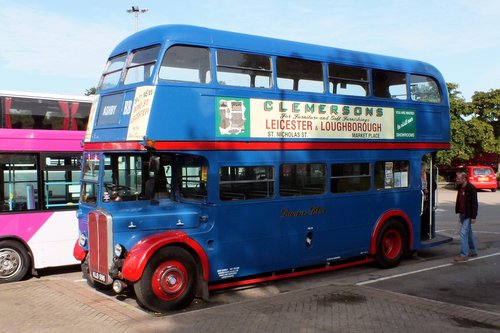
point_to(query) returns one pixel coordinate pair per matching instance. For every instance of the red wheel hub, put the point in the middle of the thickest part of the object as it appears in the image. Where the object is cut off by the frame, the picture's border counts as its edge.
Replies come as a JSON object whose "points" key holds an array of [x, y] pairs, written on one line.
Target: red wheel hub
{"points": [[170, 280], [392, 244]]}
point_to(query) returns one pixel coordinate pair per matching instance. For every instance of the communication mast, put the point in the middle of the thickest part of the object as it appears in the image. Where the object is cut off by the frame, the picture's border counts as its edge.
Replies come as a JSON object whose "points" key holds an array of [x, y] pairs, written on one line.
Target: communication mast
{"points": [[135, 10]]}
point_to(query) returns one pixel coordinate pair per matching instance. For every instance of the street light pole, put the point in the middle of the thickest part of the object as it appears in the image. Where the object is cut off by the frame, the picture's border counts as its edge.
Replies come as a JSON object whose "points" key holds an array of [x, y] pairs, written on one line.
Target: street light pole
{"points": [[135, 10]]}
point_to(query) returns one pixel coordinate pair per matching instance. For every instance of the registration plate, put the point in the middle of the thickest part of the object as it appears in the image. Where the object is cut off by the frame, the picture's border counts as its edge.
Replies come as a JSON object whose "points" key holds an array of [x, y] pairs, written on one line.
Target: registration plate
{"points": [[99, 277], [483, 179]]}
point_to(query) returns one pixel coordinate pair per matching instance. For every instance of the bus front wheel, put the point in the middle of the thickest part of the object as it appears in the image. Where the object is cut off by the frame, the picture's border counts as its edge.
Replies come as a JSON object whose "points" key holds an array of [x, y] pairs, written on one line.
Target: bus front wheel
{"points": [[86, 275], [14, 261], [391, 242], [168, 282]]}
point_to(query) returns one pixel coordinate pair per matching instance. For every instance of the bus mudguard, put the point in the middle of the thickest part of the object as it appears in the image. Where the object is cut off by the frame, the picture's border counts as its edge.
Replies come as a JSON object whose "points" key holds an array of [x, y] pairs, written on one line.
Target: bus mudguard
{"points": [[78, 252], [140, 253], [394, 213]]}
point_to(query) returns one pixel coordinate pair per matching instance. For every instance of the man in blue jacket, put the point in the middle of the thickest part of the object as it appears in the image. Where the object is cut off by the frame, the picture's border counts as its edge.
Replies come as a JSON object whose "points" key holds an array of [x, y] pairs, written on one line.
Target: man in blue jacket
{"points": [[466, 206]]}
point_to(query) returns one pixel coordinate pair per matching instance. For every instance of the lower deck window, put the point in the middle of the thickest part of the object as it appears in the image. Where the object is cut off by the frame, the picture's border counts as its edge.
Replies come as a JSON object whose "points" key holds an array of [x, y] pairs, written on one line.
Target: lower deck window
{"points": [[302, 179], [39, 181], [18, 180], [246, 182], [392, 174], [193, 183], [350, 177]]}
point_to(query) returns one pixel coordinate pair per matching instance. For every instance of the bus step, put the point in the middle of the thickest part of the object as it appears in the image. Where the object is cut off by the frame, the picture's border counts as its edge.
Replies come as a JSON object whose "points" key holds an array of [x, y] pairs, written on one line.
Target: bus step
{"points": [[437, 240]]}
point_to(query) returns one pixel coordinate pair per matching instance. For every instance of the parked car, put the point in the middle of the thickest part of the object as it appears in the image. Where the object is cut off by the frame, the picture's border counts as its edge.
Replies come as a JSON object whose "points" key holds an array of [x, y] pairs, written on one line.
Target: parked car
{"points": [[482, 177]]}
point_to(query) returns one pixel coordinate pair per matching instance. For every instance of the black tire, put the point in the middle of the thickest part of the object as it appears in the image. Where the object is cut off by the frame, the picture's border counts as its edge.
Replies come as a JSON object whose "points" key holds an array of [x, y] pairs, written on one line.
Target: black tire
{"points": [[391, 244], [86, 275], [14, 261], [168, 282]]}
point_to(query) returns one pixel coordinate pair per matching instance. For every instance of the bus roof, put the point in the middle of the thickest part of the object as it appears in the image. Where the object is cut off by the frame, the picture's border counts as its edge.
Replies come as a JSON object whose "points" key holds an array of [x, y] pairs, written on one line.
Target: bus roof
{"points": [[49, 96], [179, 34]]}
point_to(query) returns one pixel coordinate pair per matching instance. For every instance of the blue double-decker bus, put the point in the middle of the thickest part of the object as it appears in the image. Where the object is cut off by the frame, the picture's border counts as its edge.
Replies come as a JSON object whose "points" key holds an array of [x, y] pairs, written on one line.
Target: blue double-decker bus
{"points": [[215, 159]]}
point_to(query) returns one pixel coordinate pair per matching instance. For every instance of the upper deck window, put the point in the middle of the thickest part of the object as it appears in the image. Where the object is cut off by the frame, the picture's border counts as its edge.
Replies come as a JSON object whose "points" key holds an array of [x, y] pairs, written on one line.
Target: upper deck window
{"points": [[389, 84], [299, 75], [186, 64], [243, 69], [111, 76], [141, 65], [347, 80], [424, 89], [42, 113]]}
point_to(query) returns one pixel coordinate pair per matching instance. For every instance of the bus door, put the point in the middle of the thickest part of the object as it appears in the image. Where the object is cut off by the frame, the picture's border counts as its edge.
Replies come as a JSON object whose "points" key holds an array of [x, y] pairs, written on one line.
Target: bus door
{"points": [[429, 174]]}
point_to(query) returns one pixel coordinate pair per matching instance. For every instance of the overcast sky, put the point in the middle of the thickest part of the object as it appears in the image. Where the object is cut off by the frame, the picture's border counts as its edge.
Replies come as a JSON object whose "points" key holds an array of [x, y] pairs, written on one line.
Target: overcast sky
{"points": [[61, 46]]}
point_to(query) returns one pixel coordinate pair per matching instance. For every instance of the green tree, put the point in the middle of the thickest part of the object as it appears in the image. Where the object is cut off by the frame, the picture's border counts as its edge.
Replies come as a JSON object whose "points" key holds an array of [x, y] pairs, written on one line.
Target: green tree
{"points": [[480, 136], [458, 129], [486, 106], [474, 126], [91, 91]]}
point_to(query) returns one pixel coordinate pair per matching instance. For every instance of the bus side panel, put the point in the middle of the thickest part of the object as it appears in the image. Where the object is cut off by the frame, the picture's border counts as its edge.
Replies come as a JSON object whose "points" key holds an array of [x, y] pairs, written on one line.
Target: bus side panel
{"points": [[50, 235], [185, 115], [326, 230], [22, 225], [53, 244], [249, 240], [267, 236]]}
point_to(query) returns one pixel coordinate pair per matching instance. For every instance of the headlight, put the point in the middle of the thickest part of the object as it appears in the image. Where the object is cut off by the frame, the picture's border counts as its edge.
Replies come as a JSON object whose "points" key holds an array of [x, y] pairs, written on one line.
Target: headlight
{"points": [[118, 250], [82, 240]]}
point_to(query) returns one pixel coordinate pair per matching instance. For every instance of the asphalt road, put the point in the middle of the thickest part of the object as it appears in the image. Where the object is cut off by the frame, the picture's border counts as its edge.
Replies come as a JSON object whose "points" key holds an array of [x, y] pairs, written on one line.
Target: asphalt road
{"points": [[475, 283]]}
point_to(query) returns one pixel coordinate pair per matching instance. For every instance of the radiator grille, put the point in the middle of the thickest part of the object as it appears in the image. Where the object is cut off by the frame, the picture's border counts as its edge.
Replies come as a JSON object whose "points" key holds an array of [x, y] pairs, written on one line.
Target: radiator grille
{"points": [[100, 246]]}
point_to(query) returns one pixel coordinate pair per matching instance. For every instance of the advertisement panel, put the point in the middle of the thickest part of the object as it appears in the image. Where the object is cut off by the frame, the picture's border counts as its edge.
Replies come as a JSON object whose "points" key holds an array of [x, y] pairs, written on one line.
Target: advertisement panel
{"points": [[265, 118]]}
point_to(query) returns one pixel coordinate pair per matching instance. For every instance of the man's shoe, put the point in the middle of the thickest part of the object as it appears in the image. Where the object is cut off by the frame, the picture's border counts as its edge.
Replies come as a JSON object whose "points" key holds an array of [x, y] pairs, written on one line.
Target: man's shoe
{"points": [[472, 254], [460, 259]]}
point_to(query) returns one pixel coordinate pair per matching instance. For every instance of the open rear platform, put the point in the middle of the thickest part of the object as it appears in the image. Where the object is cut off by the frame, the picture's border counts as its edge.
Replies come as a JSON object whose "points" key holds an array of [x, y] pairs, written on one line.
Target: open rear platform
{"points": [[437, 240]]}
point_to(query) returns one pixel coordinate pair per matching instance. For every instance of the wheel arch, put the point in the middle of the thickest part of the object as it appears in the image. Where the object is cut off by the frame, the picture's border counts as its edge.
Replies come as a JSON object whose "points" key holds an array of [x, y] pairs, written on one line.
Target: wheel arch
{"points": [[397, 215], [139, 255]]}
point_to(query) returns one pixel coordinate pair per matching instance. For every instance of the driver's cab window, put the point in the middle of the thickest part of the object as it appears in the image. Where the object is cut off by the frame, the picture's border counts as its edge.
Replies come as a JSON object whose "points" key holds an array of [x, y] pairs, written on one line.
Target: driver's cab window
{"points": [[143, 177], [192, 173], [178, 177], [163, 181], [123, 178]]}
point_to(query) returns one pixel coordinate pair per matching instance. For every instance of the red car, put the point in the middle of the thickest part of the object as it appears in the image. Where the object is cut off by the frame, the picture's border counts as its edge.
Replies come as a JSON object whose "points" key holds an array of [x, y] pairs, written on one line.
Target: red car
{"points": [[482, 177]]}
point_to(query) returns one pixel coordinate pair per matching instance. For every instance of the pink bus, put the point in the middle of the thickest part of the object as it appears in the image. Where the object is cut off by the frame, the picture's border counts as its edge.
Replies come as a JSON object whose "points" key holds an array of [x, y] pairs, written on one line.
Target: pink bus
{"points": [[40, 152]]}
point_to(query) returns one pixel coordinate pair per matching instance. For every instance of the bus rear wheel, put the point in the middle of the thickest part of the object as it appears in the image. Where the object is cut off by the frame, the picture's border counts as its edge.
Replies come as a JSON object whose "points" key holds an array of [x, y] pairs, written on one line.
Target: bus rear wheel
{"points": [[391, 243], [14, 261], [168, 282]]}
